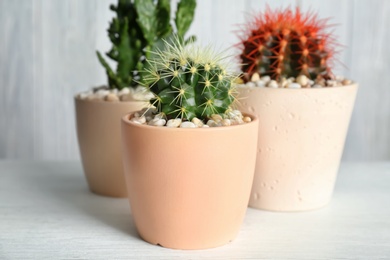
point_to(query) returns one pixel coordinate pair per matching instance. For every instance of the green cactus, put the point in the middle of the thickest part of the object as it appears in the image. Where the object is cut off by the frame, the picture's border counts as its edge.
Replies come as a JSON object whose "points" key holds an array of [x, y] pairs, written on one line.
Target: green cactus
{"points": [[189, 81], [137, 29]]}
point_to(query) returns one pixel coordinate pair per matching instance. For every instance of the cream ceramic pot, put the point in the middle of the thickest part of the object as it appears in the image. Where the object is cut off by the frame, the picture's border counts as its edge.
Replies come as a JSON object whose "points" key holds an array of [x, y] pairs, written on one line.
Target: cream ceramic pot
{"points": [[300, 144], [98, 132], [188, 188]]}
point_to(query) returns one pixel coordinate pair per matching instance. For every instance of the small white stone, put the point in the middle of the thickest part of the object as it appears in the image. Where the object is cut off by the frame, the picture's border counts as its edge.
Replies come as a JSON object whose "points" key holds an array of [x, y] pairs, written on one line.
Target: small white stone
{"points": [[260, 84], [187, 124], [266, 78], [160, 116], [197, 122], [174, 122], [250, 84], [283, 83], [255, 77], [217, 118], [316, 86], [311, 82], [139, 120], [302, 80], [84, 95], [157, 122], [237, 121], [331, 83], [205, 126], [346, 82], [226, 122], [111, 97], [101, 94], [294, 85], [237, 112], [147, 111], [114, 91], [212, 123], [290, 80], [339, 78], [247, 119], [273, 84], [123, 91]]}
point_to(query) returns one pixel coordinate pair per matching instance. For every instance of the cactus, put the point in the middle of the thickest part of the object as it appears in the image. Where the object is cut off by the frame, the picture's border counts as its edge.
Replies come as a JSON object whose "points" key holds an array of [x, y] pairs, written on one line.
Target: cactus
{"points": [[139, 25], [189, 81], [284, 43]]}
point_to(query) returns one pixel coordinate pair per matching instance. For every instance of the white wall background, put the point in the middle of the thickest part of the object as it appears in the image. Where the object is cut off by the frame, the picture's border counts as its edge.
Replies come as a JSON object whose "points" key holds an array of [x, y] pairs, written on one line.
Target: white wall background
{"points": [[47, 54]]}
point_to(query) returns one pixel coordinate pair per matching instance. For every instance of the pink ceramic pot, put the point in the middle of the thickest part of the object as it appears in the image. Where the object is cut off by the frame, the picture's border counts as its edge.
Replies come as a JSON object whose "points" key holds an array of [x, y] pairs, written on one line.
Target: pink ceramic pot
{"points": [[98, 132], [301, 140], [189, 188]]}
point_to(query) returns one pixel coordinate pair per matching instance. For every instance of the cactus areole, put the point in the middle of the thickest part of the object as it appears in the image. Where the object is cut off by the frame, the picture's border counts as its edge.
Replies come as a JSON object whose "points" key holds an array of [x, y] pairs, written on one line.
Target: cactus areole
{"points": [[284, 43], [189, 81]]}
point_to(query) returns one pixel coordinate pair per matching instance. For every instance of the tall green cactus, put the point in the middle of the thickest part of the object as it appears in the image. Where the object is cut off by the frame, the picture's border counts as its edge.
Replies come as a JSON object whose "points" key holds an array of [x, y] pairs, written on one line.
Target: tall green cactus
{"points": [[189, 81], [138, 27]]}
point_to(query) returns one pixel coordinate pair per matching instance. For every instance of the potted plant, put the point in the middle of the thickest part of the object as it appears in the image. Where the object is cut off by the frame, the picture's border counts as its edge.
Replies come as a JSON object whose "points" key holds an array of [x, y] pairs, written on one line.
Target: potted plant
{"points": [[137, 29], [189, 163], [303, 109]]}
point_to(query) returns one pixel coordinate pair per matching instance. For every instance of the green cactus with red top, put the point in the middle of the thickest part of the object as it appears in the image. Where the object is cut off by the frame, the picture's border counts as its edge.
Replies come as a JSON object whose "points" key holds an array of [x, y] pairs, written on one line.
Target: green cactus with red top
{"points": [[284, 43]]}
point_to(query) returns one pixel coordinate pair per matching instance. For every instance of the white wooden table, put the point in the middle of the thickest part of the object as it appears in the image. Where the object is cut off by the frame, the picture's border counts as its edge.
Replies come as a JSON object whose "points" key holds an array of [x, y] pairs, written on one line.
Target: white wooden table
{"points": [[47, 212]]}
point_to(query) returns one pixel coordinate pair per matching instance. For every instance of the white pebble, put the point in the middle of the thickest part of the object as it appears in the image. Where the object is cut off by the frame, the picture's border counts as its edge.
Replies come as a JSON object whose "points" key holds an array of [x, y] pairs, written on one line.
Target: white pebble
{"points": [[123, 91], [331, 83], [316, 86], [114, 91], [247, 119], [226, 122], [174, 122], [159, 116], [205, 126], [250, 84], [84, 95], [260, 83], [283, 83], [139, 120], [273, 84], [217, 118], [302, 80], [157, 122], [266, 78], [197, 122], [187, 124], [346, 82], [290, 80], [101, 94], [237, 112], [212, 123], [255, 77], [294, 85], [111, 97]]}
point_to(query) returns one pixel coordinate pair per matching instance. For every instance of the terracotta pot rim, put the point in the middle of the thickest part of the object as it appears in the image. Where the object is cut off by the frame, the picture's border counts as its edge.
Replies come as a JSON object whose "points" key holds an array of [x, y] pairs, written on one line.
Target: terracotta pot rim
{"points": [[125, 119], [108, 102], [353, 85]]}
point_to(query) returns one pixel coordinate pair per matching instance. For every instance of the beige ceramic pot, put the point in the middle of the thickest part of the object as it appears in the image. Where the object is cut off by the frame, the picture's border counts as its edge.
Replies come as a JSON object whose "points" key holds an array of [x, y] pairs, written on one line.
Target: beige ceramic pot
{"points": [[98, 132], [189, 188], [301, 139]]}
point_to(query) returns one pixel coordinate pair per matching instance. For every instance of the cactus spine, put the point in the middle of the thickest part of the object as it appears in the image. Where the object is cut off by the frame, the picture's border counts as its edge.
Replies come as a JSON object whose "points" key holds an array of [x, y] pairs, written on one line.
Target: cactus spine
{"points": [[138, 27], [189, 81], [284, 43]]}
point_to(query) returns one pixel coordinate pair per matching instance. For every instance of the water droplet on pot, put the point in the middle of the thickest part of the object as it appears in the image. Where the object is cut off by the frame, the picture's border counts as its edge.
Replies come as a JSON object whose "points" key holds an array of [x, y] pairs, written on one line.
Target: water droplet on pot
{"points": [[252, 109]]}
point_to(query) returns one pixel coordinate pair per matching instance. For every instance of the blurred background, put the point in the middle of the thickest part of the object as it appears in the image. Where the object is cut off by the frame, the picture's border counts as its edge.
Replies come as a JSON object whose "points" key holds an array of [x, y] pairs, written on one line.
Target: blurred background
{"points": [[47, 55]]}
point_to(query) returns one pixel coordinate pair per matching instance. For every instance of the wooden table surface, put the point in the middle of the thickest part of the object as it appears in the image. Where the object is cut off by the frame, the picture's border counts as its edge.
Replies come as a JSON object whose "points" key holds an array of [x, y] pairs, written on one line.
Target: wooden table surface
{"points": [[47, 212]]}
